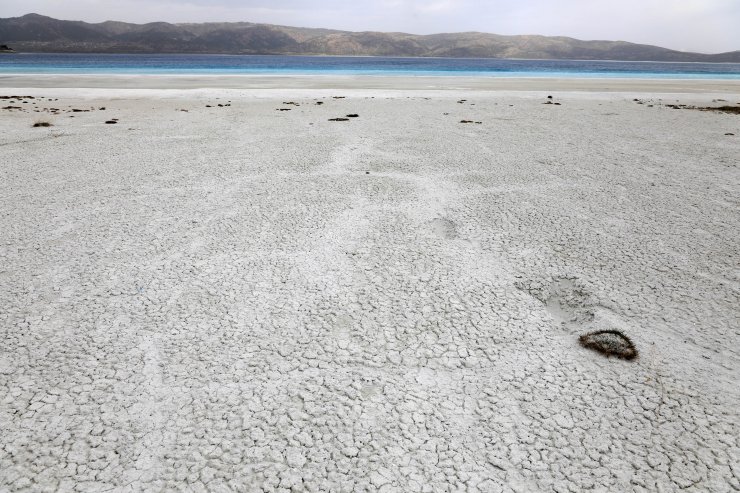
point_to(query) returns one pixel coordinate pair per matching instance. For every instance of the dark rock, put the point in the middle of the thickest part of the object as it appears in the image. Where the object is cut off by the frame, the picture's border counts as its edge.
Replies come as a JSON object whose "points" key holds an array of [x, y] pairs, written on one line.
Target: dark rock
{"points": [[609, 343], [723, 109]]}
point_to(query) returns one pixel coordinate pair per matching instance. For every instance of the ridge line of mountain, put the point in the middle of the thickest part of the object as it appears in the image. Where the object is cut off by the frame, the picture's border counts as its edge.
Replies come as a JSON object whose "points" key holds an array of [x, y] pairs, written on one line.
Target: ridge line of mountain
{"points": [[38, 33]]}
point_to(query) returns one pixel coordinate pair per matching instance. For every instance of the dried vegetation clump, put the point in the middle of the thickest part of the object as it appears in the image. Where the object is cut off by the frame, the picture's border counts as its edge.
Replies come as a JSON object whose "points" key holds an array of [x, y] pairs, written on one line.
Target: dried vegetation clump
{"points": [[609, 343]]}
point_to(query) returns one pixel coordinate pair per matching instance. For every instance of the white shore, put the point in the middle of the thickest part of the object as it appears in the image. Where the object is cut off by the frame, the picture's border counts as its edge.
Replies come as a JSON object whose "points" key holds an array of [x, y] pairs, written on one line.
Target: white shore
{"points": [[417, 83], [238, 298]]}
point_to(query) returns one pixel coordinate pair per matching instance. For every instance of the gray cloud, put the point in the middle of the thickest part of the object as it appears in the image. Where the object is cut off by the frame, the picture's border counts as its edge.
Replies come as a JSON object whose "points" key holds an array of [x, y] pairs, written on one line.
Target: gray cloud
{"points": [[694, 25]]}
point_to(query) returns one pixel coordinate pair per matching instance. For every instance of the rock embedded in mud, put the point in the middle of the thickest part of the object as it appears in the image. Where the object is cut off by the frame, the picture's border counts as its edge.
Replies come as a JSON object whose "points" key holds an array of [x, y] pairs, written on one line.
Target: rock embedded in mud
{"points": [[609, 343]]}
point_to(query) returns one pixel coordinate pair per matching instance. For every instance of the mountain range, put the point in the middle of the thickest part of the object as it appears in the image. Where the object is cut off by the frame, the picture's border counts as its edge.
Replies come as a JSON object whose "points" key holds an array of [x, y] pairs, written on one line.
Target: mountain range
{"points": [[38, 33]]}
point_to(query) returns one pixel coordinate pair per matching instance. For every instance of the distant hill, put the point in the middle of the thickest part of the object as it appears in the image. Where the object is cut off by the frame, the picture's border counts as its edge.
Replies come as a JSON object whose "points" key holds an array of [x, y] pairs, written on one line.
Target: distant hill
{"points": [[37, 33]]}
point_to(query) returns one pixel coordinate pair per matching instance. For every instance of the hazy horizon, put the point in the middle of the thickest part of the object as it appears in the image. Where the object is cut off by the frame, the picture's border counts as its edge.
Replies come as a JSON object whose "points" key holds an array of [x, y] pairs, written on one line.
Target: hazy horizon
{"points": [[705, 26]]}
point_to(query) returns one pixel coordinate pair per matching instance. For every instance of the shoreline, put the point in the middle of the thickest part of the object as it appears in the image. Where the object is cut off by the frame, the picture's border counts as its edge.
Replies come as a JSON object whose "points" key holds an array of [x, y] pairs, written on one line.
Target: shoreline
{"points": [[379, 74], [395, 82]]}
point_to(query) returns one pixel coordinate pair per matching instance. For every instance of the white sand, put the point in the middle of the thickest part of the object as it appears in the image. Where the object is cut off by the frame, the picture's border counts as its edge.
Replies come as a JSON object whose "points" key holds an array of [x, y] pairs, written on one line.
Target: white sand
{"points": [[392, 83], [224, 299]]}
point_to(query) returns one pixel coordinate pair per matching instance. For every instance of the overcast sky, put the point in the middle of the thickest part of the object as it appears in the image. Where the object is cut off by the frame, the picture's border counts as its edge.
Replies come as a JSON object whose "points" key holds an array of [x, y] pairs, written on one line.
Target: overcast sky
{"points": [[692, 25]]}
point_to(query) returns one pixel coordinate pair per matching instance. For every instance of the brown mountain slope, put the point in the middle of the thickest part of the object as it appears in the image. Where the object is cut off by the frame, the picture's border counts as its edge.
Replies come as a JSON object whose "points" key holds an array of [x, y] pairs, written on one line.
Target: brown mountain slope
{"points": [[37, 33]]}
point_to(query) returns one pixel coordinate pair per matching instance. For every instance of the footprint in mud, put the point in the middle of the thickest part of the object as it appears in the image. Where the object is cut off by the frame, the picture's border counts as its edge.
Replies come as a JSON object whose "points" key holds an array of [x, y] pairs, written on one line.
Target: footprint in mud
{"points": [[568, 303], [564, 300], [444, 228]]}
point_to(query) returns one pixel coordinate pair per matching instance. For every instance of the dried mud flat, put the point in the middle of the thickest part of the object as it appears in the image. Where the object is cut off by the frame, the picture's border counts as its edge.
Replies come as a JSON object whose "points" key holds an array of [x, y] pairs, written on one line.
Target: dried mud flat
{"points": [[233, 298]]}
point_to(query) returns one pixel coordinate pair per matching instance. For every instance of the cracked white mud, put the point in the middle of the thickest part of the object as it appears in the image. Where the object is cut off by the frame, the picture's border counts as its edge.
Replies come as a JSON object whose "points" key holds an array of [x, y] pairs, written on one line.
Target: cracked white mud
{"points": [[236, 298]]}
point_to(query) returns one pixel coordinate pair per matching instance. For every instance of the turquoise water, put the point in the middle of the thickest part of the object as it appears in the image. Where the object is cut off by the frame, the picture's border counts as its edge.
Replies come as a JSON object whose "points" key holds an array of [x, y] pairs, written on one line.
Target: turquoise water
{"points": [[33, 63]]}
